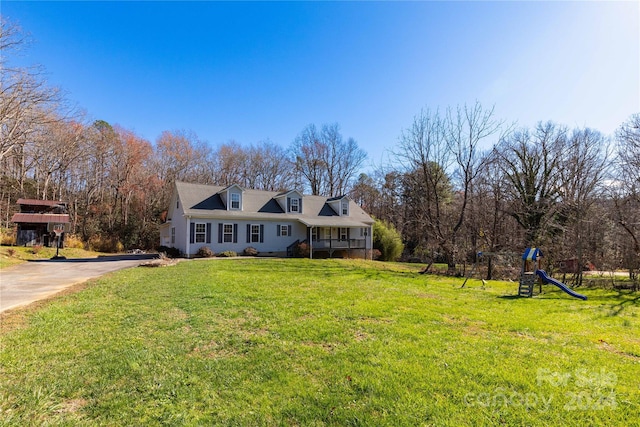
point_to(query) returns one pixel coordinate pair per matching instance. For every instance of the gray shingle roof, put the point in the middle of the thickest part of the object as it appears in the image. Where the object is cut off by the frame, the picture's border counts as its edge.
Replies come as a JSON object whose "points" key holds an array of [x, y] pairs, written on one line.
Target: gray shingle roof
{"points": [[204, 201]]}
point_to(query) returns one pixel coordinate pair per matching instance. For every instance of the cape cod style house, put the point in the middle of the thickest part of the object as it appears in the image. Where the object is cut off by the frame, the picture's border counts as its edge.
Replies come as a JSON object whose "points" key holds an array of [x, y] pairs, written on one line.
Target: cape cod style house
{"points": [[234, 218]]}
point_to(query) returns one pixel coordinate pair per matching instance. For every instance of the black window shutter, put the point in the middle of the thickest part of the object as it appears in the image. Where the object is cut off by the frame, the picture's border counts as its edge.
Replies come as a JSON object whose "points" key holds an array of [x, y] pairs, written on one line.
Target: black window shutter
{"points": [[289, 230], [235, 233], [278, 230], [208, 232], [192, 233], [299, 205], [220, 233], [288, 204], [261, 233], [248, 233]]}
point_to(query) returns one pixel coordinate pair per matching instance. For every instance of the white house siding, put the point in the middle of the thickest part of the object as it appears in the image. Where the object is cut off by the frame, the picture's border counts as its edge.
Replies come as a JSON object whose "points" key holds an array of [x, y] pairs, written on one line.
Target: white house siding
{"points": [[177, 220], [271, 244]]}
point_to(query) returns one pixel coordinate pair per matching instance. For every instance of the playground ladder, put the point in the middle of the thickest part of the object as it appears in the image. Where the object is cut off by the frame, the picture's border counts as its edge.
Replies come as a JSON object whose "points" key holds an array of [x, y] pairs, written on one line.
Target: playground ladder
{"points": [[527, 282]]}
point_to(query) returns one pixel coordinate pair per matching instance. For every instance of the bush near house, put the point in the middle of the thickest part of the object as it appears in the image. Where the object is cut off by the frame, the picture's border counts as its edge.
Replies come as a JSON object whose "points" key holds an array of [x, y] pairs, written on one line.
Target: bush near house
{"points": [[228, 254], [301, 250], [387, 240], [250, 251], [170, 252], [205, 252]]}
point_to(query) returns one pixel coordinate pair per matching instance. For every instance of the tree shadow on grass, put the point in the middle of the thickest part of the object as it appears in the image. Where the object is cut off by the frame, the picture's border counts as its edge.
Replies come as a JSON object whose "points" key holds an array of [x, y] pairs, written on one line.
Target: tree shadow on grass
{"points": [[510, 297], [627, 300]]}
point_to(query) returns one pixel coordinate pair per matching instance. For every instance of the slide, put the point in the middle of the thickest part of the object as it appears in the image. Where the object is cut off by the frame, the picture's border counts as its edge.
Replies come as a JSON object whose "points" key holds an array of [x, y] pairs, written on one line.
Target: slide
{"points": [[546, 279]]}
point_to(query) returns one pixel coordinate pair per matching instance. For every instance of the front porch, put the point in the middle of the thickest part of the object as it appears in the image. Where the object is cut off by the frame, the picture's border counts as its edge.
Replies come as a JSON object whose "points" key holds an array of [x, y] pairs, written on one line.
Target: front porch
{"points": [[345, 242]]}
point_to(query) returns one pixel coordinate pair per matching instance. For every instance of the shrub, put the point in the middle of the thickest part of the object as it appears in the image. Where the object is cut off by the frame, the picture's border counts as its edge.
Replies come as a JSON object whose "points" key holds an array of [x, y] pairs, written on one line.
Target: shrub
{"points": [[99, 243], [205, 252], [73, 241], [35, 249], [250, 251], [7, 239], [170, 252], [227, 254], [301, 250], [387, 240], [11, 252]]}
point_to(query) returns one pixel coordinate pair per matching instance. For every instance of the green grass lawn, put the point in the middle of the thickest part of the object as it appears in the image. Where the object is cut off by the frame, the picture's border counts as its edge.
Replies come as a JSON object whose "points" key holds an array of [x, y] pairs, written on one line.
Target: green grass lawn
{"points": [[253, 342]]}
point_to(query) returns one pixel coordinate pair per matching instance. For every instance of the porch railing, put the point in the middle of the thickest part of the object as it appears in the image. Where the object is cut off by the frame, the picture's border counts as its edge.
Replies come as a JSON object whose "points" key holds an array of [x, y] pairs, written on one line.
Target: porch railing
{"points": [[291, 248], [319, 244]]}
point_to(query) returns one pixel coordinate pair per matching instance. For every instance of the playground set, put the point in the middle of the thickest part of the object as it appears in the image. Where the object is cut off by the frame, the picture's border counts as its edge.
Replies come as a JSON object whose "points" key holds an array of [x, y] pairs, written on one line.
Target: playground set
{"points": [[530, 269]]}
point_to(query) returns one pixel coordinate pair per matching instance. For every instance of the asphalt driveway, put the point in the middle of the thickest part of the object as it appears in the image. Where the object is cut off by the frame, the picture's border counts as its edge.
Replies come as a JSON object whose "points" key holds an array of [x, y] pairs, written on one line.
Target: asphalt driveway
{"points": [[35, 280]]}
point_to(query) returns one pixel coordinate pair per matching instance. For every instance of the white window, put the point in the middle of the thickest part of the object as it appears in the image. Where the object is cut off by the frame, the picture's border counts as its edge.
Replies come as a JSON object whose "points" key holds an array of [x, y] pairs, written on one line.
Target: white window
{"points": [[284, 230], [201, 232], [173, 234], [345, 208], [235, 201], [314, 233], [344, 233], [255, 233], [295, 206], [227, 233]]}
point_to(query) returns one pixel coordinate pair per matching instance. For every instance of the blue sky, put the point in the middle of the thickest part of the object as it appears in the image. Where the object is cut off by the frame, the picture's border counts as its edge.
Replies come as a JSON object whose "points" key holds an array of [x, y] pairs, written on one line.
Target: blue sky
{"points": [[254, 71]]}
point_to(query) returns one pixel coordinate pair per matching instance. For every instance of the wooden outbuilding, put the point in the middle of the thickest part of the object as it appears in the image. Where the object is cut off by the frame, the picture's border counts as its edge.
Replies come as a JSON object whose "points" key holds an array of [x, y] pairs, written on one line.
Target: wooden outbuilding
{"points": [[37, 220]]}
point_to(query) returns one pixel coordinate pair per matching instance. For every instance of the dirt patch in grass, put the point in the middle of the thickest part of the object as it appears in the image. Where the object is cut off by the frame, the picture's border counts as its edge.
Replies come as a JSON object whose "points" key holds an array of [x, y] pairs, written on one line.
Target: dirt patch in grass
{"points": [[360, 336], [71, 406], [214, 350], [329, 347], [612, 349]]}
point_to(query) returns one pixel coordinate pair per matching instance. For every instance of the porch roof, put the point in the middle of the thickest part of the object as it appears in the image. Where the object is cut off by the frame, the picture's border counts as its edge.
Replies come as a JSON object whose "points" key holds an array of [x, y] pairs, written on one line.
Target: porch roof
{"points": [[343, 222]]}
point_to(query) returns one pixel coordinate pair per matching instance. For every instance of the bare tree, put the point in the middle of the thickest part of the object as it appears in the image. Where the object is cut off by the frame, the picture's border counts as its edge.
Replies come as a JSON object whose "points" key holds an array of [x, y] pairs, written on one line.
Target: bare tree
{"points": [[434, 150], [342, 160], [309, 154], [269, 167], [530, 162], [625, 192], [582, 172], [56, 147], [26, 101], [466, 128], [325, 161]]}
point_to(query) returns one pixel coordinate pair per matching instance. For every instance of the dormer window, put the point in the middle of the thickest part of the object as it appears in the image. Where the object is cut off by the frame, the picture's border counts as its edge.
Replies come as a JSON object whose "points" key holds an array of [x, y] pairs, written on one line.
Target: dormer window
{"points": [[295, 205], [235, 201], [345, 208]]}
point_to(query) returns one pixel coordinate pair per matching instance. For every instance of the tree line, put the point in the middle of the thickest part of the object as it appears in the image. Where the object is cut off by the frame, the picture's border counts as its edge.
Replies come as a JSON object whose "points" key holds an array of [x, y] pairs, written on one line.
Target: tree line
{"points": [[458, 181], [573, 192]]}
